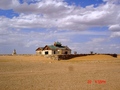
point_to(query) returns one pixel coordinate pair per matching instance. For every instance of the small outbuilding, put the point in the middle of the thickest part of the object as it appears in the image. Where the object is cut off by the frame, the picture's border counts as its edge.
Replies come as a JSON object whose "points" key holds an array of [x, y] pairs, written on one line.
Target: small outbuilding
{"points": [[14, 52], [39, 50]]}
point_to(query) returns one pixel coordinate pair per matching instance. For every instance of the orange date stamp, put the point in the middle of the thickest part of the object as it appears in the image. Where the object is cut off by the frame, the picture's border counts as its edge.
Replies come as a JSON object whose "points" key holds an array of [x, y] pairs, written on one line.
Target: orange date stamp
{"points": [[96, 81]]}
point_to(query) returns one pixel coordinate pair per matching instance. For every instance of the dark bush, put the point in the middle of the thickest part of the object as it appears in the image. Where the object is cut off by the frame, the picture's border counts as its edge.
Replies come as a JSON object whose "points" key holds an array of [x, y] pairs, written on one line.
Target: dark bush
{"points": [[115, 55]]}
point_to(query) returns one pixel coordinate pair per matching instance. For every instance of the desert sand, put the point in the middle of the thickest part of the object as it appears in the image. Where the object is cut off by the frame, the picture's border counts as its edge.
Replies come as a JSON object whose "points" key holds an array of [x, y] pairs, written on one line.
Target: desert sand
{"points": [[95, 72]]}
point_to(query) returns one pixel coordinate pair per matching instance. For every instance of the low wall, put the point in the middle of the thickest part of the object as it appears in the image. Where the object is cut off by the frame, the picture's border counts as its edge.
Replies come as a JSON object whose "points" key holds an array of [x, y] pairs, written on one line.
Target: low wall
{"points": [[66, 57]]}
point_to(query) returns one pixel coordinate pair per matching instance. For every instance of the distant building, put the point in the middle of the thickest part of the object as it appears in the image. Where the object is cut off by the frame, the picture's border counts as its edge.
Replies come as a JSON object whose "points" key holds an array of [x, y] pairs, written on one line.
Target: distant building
{"points": [[57, 48], [75, 52], [14, 52]]}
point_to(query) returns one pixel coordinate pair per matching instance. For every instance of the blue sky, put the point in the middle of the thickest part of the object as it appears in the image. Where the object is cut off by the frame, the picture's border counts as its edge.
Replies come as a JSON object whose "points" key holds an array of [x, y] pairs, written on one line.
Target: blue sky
{"points": [[82, 25], [85, 3]]}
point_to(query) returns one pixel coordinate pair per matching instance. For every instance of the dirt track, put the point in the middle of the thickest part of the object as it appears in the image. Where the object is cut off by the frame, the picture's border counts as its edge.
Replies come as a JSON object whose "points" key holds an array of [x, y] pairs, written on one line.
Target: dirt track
{"points": [[39, 73]]}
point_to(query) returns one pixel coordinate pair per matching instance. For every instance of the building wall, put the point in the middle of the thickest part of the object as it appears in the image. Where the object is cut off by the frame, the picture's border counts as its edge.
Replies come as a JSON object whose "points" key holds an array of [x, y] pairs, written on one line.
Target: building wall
{"points": [[69, 51], [38, 52], [64, 52], [49, 52]]}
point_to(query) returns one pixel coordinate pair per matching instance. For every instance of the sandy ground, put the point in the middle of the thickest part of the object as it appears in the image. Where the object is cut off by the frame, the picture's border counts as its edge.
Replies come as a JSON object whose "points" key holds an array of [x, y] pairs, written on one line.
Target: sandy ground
{"points": [[97, 72]]}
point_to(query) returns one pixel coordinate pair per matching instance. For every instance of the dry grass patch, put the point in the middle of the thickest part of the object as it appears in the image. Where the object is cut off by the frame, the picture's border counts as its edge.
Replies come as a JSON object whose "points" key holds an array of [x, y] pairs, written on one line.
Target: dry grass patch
{"points": [[94, 57]]}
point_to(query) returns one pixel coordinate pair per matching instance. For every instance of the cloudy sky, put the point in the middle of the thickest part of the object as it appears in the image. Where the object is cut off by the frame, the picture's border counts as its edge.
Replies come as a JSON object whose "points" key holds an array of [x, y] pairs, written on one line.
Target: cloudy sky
{"points": [[83, 25]]}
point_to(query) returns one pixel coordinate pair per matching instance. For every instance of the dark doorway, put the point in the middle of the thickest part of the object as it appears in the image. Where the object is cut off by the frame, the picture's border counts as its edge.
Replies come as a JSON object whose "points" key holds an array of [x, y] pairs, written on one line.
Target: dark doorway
{"points": [[46, 52], [39, 52], [66, 52], [54, 52]]}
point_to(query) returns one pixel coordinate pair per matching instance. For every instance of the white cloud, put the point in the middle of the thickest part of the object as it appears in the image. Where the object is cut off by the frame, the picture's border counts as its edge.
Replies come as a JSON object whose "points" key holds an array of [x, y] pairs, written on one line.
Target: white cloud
{"points": [[115, 34], [60, 15], [98, 40], [114, 27], [51, 7], [115, 30], [56, 15], [8, 4], [112, 1]]}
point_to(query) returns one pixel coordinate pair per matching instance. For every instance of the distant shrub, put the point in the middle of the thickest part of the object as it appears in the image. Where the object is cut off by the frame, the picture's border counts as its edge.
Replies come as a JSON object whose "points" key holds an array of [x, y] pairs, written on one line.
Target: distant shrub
{"points": [[115, 55], [91, 52]]}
